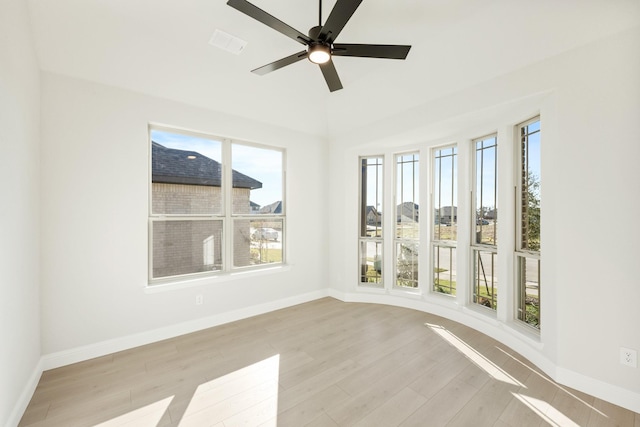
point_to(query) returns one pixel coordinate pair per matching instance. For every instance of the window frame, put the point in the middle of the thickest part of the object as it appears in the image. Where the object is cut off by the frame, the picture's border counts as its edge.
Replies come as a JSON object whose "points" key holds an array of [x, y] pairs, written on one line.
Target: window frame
{"points": [[436, 244], [397, 241], [225, 215], [378, 239], [478, 248], [520, 252]]}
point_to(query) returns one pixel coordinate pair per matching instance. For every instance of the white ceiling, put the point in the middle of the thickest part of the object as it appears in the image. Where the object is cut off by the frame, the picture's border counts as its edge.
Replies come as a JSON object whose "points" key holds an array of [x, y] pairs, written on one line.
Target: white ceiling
{"points": [[160, 47]]}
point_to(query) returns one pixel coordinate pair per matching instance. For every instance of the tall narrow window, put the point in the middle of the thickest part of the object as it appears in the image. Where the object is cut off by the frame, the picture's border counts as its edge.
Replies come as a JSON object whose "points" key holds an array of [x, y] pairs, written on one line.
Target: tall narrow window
{"points": [[407, 221], [485, 218], [370, 241], [197, 202], [445, 214], [528, 224]]}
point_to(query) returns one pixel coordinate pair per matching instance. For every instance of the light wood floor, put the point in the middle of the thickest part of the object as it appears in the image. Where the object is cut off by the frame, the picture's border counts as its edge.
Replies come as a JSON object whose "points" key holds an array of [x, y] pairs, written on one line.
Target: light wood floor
{"points": [[324, 363]]}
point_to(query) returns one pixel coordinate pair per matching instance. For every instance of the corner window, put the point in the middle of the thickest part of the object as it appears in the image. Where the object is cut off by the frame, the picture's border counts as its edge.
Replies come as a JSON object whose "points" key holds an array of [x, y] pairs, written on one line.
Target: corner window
{"points": [[444, 234], [485, 220], [528, 224], [206, 217], [371, 237], [407, 221]]}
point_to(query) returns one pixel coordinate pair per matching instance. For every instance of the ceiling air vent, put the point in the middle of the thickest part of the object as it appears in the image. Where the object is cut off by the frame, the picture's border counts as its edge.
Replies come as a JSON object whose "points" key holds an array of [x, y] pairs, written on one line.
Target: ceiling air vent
{"points": [[227, 42]]}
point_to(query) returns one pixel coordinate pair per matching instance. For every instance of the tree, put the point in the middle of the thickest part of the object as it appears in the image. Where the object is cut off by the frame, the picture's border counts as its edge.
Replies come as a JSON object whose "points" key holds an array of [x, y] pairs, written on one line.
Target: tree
{"points": [[531, 221]]}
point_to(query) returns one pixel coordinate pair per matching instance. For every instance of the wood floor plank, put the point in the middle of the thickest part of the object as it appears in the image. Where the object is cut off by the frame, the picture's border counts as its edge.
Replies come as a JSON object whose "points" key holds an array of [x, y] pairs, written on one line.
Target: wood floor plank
{"points": [[323, 420], [375, 393], [443, 406], [393, 411], [323, 363], [313, 408], [485, 407]]}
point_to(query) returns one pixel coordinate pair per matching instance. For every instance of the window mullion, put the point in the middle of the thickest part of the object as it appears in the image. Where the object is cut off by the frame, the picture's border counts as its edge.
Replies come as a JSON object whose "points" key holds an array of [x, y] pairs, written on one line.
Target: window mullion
{"points": [[227, 191]]}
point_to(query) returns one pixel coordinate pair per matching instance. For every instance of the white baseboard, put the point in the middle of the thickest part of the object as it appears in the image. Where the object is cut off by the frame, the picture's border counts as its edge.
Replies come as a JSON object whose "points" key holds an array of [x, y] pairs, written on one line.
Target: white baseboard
{"points": [[600, 389], [25, 397], [619, 396], [79, 354]]}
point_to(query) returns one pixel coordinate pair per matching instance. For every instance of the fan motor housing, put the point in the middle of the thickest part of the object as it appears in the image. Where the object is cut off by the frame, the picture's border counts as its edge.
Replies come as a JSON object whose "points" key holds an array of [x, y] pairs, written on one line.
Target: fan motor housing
{"points": [[314, 32]]}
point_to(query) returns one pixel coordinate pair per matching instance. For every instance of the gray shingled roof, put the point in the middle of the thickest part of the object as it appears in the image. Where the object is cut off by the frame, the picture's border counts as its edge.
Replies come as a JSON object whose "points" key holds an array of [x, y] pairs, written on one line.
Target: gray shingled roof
{"points": [[172, 166], [275, 208]]}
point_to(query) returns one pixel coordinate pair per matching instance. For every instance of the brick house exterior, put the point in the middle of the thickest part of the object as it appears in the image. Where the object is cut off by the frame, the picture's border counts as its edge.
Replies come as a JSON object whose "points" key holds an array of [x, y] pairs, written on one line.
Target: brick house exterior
{"points": [[188, 183]]}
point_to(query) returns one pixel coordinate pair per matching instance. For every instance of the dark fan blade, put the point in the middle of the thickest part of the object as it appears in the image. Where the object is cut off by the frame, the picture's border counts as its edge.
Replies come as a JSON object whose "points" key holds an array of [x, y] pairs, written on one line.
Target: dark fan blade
{"points": [[341, 13], [371, 50], [280, 63], [270, 21], [331, 76]]}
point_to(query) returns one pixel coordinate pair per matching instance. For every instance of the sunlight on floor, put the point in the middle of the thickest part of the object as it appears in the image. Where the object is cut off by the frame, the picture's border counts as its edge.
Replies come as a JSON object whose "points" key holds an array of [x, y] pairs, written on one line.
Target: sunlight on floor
{"points": [[149, 415], [555, 384], [248, 396], [478, 359], [546, 411]]}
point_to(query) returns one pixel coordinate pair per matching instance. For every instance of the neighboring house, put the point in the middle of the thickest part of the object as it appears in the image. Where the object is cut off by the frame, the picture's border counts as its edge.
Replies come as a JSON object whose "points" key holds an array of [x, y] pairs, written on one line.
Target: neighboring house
{"points": [[273, 208], [491, 214], [187, 183], [446, 215], [407, 212], [373, 216], [254, 207]]}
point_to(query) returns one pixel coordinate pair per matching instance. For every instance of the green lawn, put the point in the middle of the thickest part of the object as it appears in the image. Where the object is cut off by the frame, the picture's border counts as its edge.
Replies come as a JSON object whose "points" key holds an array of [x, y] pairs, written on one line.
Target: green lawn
{"points": [[266, 255]]}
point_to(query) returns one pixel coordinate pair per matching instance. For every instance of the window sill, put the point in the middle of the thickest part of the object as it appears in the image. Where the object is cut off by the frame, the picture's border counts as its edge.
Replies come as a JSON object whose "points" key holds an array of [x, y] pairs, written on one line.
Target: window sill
{"points": [[482, 313], [214, 279], [407, 293], [528, 334]]}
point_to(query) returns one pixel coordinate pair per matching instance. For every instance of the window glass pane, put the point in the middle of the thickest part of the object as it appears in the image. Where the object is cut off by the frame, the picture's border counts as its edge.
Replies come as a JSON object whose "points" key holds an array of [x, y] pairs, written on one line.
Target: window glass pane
{"points": [[485, 290], [444, 269], [407, 264], [257, 241], [186, 174], [186, 247], [530, 186], [257, 180], [485, 209], [529, 290], [371, 197], [371, 262], [407, 202], [445, 194]]}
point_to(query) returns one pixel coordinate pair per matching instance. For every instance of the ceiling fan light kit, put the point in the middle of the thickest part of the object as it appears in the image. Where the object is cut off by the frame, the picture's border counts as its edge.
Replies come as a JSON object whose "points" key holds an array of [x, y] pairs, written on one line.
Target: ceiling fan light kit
{"points": [[320, 43], [319, 53]]}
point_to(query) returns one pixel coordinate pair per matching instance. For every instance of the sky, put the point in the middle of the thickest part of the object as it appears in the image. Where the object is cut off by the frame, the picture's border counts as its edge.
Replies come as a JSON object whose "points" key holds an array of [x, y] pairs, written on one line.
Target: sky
{"points": [[262, 164]]}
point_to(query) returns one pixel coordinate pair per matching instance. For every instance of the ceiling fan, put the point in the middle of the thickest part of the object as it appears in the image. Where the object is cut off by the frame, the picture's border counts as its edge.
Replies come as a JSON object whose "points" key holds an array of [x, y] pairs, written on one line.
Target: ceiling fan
{"points": [[320, 46]]}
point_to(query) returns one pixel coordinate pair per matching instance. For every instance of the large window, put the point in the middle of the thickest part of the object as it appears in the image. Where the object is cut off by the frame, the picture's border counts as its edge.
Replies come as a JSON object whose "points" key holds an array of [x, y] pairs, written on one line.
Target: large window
{"points": [[407, 221], [371, 238], [206, 217], [485, 219], [528, 224], [445, 214]]}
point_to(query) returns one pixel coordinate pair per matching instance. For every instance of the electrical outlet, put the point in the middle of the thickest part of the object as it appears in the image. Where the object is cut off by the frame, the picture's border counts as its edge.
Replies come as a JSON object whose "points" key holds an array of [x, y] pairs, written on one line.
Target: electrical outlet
{"points": [[199, 300], [629, 357]]}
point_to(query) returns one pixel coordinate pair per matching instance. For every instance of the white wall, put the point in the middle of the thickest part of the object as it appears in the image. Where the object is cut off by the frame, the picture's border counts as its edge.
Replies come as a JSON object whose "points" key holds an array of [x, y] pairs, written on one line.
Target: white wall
{"points": [[94, 229], [19, 211], [589, 99]]}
